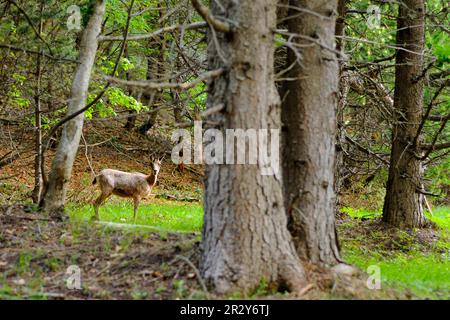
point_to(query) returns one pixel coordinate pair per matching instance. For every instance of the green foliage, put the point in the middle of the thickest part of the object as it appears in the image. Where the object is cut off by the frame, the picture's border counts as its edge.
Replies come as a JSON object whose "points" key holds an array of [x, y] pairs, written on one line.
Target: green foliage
{"points": [[16, 92], [113, 98], [439, 43]]}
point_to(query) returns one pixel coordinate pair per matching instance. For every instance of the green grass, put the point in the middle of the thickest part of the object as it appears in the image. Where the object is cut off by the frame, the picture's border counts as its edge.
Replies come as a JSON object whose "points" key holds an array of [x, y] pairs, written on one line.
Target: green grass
{"points": [[441, 216], [407, 266], [361, 213], [165, 215], [404, 263]]}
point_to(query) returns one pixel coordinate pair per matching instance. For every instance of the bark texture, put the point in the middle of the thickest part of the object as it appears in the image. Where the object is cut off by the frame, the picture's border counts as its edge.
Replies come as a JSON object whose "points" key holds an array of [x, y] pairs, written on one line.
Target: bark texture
{"points": [[245, 238], [55, 194], [309, 133], [343, 92], [403, 203]]}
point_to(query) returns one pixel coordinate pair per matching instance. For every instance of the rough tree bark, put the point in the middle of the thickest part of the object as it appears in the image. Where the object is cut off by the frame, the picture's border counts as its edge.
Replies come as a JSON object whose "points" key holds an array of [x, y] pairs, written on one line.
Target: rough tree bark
{"points": [[343, 92], [403, 203], [309, 129], [55, 193], [245, 238]]}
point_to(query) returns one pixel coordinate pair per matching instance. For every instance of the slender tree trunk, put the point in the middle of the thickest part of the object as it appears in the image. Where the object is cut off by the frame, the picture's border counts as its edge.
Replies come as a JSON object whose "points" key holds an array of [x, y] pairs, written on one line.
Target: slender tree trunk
{"points": [[155, 70], [403, 202], [38, 181], [245, 239], [151, 98], [54, 198], [343, 92], [309, 133], [132, 115]]}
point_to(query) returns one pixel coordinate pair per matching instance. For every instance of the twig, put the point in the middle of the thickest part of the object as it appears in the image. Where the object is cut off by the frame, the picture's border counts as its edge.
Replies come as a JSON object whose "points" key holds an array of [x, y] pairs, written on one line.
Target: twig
{"points": [[369, 152], [150, 85], [433, 145], [49, 56], [87, 156], [427, 113], [212, 21], [46, 144], [199, 277], [195, 25], [31, 24]]}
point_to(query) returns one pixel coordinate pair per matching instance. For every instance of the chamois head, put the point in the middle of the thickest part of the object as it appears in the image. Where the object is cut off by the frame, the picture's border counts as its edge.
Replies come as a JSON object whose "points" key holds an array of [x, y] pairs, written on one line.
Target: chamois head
{"points": [[156, 164]]}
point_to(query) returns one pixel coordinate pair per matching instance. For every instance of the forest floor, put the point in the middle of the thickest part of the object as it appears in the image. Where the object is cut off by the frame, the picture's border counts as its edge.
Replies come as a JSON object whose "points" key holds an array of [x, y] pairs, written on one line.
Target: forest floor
{"points": [[157, 256], [157, 260]]}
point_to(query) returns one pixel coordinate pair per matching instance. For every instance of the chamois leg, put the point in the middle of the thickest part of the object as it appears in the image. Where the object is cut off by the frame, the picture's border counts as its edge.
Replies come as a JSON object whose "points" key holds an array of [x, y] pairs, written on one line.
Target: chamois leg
{"points": [[137, 200], [98, 202]]}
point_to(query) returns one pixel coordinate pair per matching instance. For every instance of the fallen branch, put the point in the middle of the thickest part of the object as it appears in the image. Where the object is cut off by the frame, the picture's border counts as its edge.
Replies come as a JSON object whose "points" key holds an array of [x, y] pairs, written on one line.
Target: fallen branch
{"points": [[9, 158], [141, 226]]}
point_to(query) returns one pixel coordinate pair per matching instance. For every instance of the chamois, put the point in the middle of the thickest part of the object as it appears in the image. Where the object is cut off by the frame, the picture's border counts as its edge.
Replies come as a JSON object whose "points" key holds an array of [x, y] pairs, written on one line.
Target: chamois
{"points": [[127, 185]]}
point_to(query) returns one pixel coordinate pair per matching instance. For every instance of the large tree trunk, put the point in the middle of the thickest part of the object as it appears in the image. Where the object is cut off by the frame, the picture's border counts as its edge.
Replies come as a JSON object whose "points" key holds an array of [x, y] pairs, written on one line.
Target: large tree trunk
{"points": [[54, 198], [403, 202], [245, 238], [309, 128]]}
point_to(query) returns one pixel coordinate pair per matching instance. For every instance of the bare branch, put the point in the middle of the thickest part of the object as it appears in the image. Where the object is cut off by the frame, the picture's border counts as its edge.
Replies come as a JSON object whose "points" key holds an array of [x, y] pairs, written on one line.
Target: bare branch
{"points": [[436, 147], [436, 118], [31, 24], [367, 151], [212, 21], [432, 146], [151, 85], [49, 56], [427, 113], [195, 25]]}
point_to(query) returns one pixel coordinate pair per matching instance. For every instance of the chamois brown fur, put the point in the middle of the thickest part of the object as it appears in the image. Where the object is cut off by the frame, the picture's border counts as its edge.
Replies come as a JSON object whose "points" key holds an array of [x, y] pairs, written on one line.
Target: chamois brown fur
{"points": [[125, 184]]}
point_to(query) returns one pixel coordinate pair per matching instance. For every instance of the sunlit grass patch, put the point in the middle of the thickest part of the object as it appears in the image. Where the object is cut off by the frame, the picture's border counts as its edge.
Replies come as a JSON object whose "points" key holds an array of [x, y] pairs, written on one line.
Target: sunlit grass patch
{"points": [[425, 276], [441, 216], [405, 264], [166, 215], [361, 213]]}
